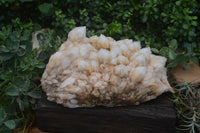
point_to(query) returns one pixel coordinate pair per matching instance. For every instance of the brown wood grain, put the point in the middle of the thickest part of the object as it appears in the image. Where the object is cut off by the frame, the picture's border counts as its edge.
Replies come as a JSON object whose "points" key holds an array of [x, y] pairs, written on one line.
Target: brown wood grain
{"points": [[31, 130], [156, 116]]}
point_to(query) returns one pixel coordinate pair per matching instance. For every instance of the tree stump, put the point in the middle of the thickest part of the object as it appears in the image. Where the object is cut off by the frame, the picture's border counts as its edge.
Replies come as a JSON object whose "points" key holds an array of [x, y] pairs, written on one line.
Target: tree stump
{"points": [[155, 116], [192, 74]]}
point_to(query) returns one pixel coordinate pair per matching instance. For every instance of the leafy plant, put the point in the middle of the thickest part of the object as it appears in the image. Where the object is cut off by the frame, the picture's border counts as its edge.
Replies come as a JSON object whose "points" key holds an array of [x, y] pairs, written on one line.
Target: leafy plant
{"points": [[20, 73], [6, 125], [49, 43], [46, 9], [63, 23], [187, 105]]}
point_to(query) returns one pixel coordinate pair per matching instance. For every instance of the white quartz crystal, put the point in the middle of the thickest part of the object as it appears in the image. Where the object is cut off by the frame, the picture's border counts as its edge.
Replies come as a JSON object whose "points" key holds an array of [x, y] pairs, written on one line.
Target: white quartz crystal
{"points": [[87, 72]]}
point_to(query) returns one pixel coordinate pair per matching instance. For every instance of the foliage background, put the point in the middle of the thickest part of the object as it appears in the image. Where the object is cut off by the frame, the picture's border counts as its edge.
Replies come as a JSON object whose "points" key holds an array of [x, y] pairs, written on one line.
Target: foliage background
{"points": [[171, 28]]}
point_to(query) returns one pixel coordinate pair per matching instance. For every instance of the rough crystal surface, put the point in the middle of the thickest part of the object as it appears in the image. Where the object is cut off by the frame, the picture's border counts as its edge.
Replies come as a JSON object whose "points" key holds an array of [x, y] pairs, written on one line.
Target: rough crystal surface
{"points": [[86, 72]]}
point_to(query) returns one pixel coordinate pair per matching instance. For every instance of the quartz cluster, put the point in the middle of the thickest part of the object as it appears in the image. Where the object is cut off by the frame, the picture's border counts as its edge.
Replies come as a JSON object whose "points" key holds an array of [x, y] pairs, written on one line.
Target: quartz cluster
{"points": [[88, 72]]}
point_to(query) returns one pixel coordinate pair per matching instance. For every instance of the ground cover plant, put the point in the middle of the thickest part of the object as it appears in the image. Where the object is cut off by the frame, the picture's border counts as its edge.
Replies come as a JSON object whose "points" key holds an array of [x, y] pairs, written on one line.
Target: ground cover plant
{"points": [[187, 105], [170, 28]]}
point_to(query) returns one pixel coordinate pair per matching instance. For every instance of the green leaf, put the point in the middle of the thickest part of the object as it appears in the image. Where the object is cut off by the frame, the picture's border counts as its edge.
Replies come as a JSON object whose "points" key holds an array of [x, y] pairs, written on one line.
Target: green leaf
{"points": [[2, 36], [21, 52], [155, 50], [195, 60], [189, 48], [12, 91], [172, 55], [13, 36], [172, 64], [28, 46], [22, 46], [144, 19], [182, 58], [173, 44], [20, 104], [35, 94], [12, 42], [10, 124], [191, 33], [194, 23], [18, 81], [26, 35], [179, 59], [46, 9], [185, 26], [164, 51], [178, 3], [26, 86], [41, 65], [5, 56], [3, 49], [2, 115], [26, 102]]}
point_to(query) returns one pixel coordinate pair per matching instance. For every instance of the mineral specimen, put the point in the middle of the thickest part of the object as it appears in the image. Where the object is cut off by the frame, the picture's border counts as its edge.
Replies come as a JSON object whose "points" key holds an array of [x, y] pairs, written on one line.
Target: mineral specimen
{"points": [[87, 72]]}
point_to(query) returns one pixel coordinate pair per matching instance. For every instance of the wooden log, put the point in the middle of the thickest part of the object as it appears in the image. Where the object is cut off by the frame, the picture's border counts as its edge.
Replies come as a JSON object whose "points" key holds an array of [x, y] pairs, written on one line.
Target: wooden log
{"points": [[155, 116]]}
